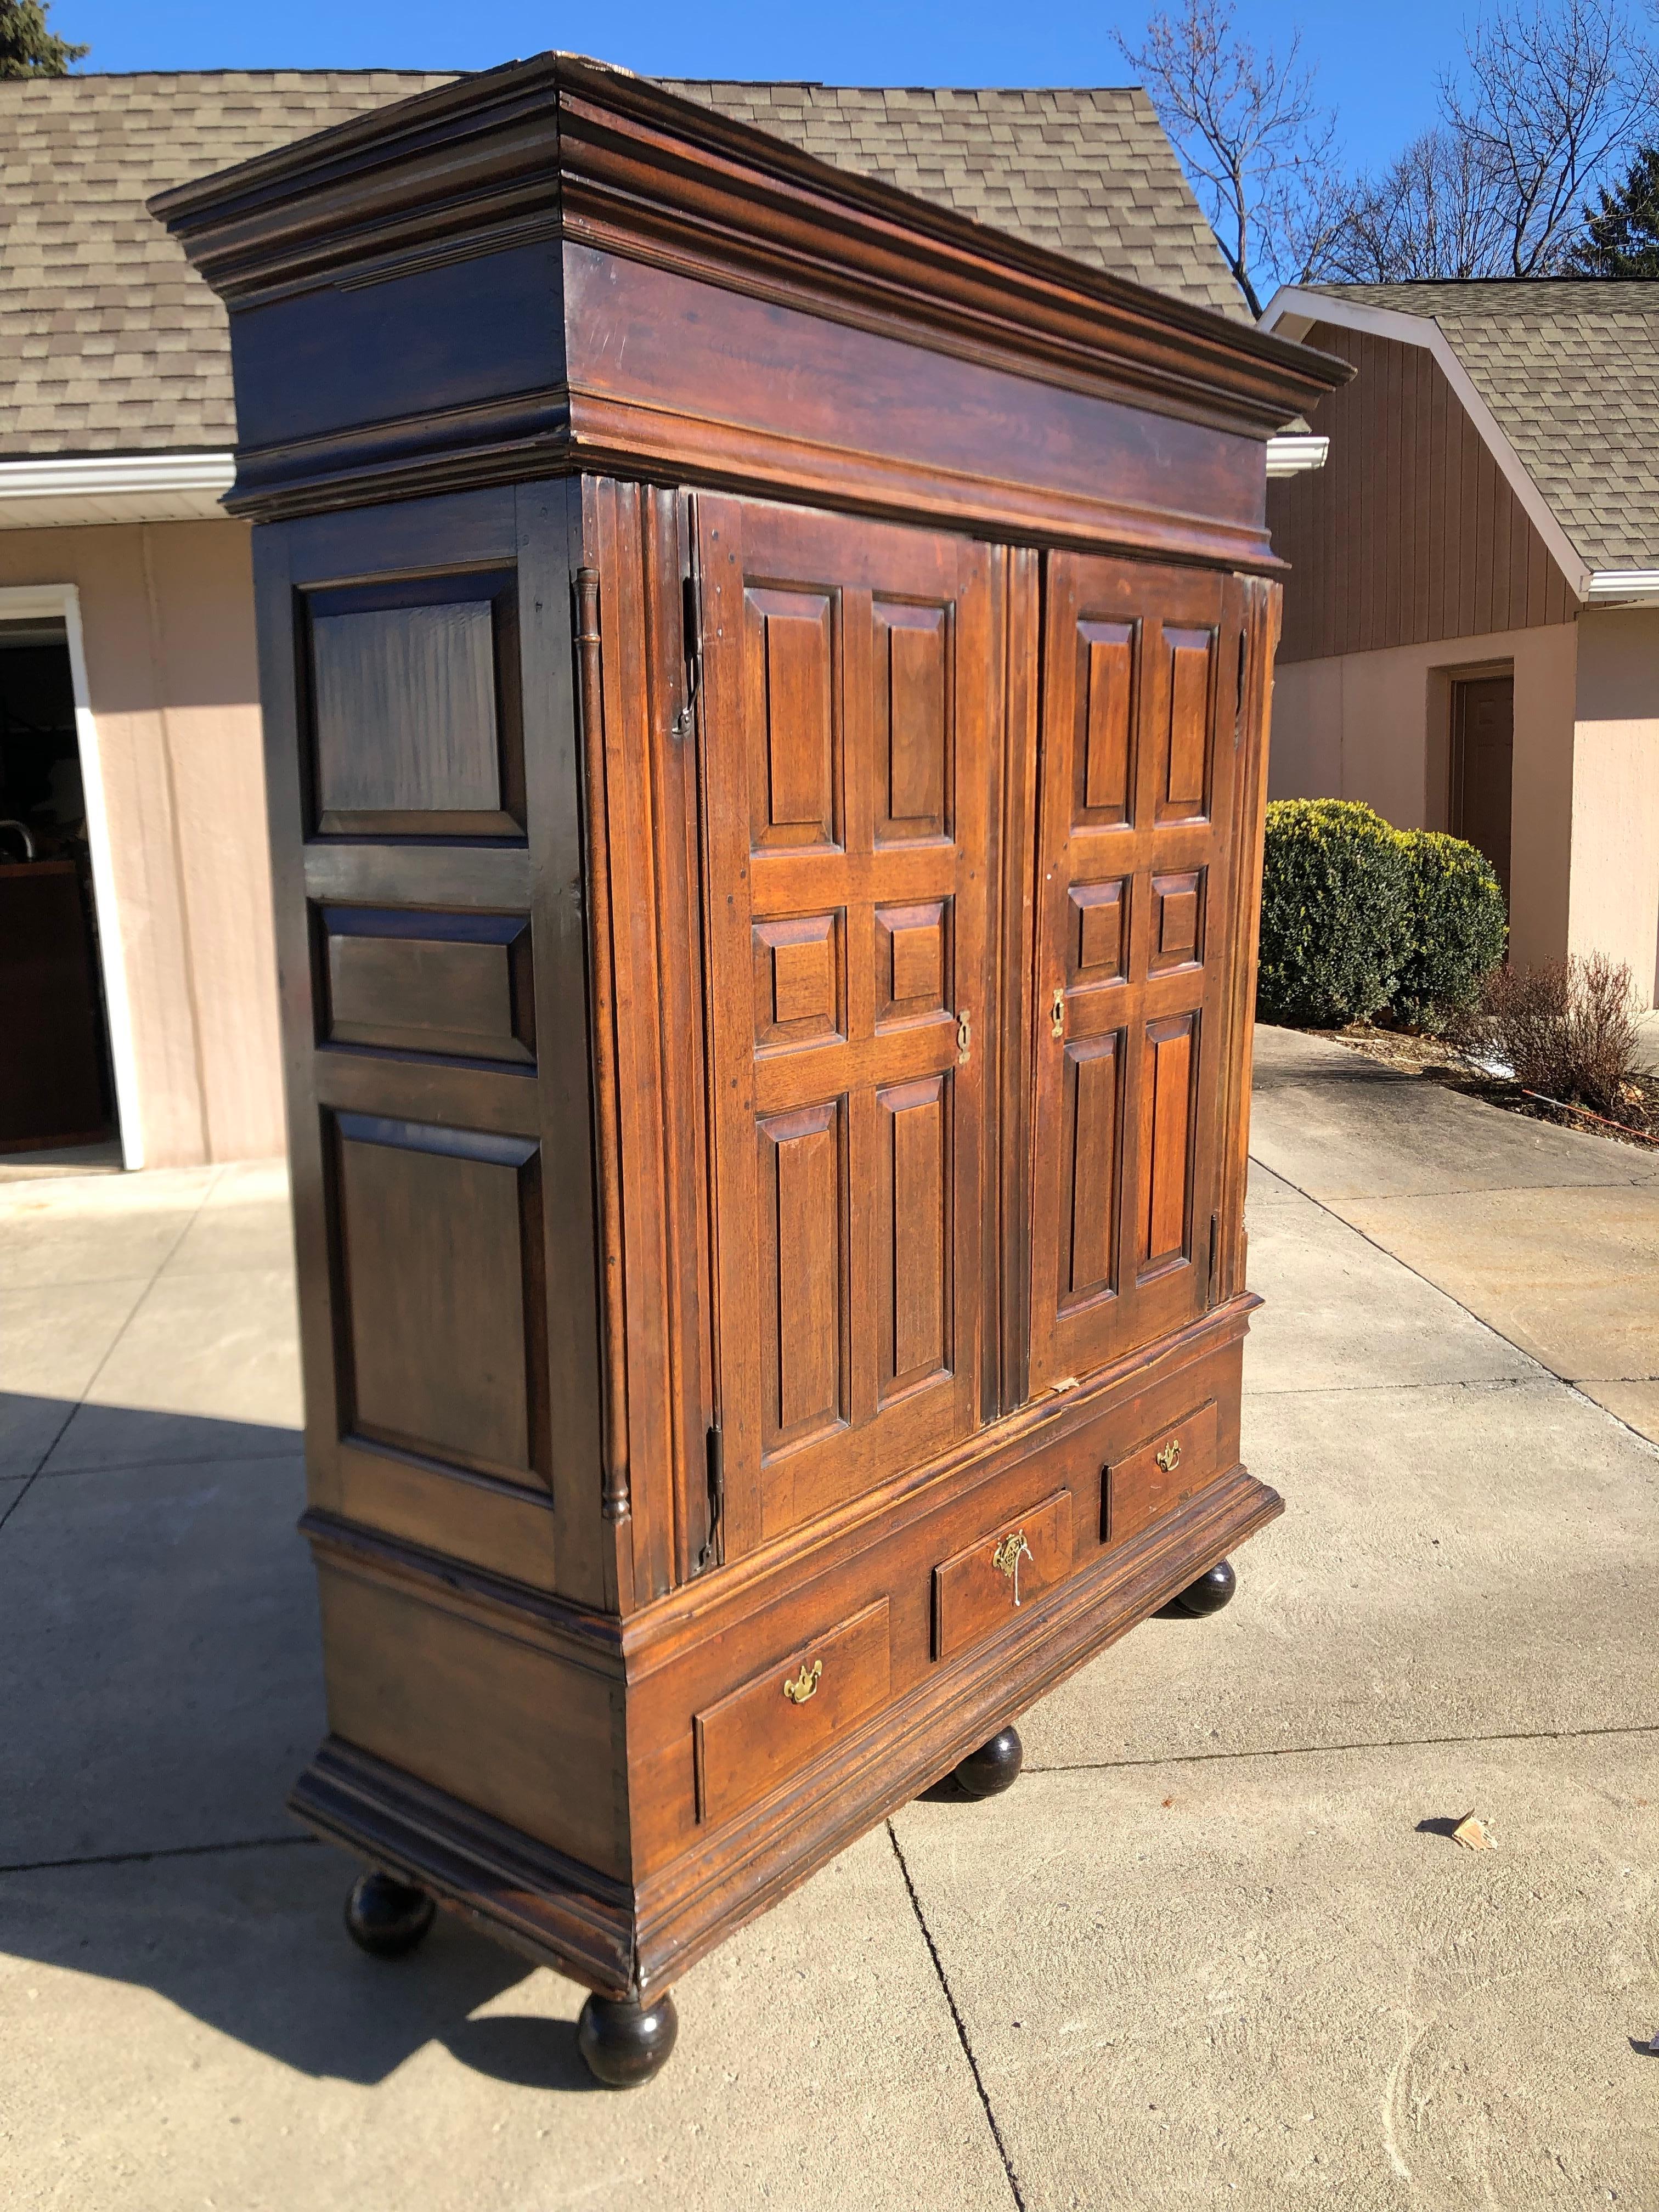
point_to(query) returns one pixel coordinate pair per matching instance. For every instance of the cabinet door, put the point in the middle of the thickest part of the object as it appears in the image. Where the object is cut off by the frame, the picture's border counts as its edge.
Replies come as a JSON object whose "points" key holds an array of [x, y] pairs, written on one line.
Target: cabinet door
{"points": [[848, 764], [1139, 723]]}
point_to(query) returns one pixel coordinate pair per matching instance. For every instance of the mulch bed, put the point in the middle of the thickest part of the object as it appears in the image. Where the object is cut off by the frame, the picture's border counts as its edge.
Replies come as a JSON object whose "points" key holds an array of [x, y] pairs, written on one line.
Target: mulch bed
{"points": [[1437, 1061]]}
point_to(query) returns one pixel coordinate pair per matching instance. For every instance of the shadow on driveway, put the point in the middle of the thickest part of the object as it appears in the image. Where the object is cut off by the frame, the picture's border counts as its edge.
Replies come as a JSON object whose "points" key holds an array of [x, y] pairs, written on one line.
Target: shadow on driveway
{"points": [[161, 1650]]}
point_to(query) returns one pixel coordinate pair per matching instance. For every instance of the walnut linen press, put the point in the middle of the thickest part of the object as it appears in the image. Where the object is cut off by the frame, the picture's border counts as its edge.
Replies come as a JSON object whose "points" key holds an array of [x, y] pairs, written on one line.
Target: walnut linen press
{"points": [[765, 688]]}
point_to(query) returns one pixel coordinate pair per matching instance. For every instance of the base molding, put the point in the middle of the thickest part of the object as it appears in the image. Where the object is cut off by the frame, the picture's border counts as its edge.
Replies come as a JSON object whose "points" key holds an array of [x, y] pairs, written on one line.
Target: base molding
{"points": [[535, 1899], [633, 1941]]}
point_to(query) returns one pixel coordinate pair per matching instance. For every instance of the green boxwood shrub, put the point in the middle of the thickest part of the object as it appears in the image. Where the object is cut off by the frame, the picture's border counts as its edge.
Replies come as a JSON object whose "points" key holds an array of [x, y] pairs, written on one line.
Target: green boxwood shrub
{"points": [[1336, 912], [1358, 918], [1459, 930]]}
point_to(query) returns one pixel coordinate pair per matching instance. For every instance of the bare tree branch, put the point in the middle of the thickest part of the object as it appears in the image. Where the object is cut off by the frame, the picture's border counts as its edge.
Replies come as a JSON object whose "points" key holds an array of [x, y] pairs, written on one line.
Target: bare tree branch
{"points": [[1559, 88], [1252, 137]]}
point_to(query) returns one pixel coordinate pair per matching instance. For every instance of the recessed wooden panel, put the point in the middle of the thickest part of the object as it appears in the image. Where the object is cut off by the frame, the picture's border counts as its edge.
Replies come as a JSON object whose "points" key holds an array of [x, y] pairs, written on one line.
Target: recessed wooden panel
{"points": [[1099, 948], [1177, 922], [797, 980], [803, 1258], [912, 1227], [414, 708], [1166, 1115], [439, 1291], [986, 1585], [456, 984], [911, 729], [912, 961], [1103, 759], [846, 1238], [1183, 780], [792, 715], [757, 1737], [1092, 1137]]}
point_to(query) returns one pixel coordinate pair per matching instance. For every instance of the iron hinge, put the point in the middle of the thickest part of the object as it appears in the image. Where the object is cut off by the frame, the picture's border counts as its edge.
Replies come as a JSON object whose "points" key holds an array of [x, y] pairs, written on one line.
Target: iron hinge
{"points": [[691, 649], [709, 1556]]}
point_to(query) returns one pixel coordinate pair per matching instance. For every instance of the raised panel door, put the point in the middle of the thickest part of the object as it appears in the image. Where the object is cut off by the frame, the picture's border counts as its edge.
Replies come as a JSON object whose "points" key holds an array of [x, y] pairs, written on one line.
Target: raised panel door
{"points": [[1138, 722], [849, 769]]}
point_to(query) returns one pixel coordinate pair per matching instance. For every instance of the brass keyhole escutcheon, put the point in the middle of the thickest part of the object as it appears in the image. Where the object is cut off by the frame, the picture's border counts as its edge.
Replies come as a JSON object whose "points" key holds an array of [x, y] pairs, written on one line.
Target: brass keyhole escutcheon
{"points": [[1057, 1013], [1007, 1556], [799, 1688], [1170, 1458], [964, 1038]]}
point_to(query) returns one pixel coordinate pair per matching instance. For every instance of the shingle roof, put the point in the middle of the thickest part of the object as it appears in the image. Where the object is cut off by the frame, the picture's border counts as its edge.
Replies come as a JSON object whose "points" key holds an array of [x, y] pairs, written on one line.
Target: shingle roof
{"points": [[1087, 173], [1570, 368], [110, 342]]}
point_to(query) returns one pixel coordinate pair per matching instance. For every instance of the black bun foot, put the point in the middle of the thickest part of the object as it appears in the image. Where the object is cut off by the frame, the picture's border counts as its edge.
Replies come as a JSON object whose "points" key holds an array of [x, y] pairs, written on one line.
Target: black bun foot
{"points": [[1210, 1592], [622, 2043], [387, 1916], [994, 1767]]}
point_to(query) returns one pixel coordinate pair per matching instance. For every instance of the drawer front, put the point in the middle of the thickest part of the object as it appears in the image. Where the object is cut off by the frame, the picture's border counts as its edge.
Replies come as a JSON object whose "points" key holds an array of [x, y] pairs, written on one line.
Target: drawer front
{"points": [[978, 1590], [755, 1739], [1158, 1476]]}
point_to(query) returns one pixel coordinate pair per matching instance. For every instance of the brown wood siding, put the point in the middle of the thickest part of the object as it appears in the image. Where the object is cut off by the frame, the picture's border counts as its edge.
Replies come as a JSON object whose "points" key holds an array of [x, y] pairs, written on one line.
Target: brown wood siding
{"points": [[1410, 532]]}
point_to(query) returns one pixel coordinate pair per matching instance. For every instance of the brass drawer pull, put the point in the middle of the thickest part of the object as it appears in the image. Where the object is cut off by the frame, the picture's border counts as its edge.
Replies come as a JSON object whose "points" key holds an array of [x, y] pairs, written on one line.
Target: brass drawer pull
{"points": [[1007, 1556], [801, 1686], [1170, 1458]]}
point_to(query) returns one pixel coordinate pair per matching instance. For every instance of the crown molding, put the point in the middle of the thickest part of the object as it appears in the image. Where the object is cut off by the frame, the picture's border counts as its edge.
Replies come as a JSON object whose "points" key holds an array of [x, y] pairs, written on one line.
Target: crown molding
{"points": [[565, 147]]}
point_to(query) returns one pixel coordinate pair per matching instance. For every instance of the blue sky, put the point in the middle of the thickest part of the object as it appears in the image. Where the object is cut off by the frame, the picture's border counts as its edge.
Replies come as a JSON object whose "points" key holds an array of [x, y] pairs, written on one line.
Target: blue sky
{"points": [[1380, 100]]}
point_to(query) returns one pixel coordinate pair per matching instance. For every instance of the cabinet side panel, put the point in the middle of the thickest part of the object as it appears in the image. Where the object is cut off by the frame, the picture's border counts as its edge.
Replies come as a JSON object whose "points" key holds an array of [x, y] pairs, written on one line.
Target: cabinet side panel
{"points": [[442, 1150]]}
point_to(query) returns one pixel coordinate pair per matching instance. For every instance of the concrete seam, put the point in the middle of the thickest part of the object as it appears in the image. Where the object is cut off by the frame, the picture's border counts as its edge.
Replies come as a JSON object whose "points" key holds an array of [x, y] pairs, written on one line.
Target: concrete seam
{"points": [[957, 2019], [1333, 1750], [38, 1467], [296, 1450], [1479, 1321], [187, 932], [166, 1852]]}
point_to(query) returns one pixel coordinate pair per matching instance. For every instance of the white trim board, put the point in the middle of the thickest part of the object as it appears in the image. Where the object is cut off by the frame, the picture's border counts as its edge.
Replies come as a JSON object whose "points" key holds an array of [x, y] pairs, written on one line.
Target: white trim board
{"points": [[62, 602], [57, 492], [1293, 311]]}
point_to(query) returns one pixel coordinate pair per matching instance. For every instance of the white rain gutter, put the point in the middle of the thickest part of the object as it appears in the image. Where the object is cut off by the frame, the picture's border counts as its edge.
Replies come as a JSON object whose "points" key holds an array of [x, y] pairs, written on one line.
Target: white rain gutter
{"points": [[1293, 451], [113, 487], [1630, 588]]}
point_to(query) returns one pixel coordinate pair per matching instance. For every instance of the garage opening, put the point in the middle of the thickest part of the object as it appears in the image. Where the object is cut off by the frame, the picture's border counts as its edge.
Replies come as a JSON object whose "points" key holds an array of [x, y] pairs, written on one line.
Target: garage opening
{"points": [[56, 1088]]}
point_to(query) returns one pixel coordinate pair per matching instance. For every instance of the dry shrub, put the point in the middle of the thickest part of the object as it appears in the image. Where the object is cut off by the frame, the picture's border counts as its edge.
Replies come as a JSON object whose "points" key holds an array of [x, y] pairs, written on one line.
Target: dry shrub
{"points": [[1567, 1029]]}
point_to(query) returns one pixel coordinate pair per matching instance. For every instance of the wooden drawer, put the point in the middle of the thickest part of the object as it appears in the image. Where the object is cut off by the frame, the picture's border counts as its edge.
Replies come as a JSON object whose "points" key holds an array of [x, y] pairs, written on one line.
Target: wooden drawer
{"points": [[757, 1737], [977, 1590], [1158, 1476]]}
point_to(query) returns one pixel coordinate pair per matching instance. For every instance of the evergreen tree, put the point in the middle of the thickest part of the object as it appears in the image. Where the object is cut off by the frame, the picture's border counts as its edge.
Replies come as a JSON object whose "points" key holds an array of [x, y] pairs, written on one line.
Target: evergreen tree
{"points": [[1622, 238], [28, 48]]}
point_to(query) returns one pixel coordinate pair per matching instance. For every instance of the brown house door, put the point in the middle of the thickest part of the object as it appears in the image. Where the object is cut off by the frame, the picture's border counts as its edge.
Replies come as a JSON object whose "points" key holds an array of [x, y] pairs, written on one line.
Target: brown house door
{"points": [[1483, 767], [849, 766], [1139, 710]]}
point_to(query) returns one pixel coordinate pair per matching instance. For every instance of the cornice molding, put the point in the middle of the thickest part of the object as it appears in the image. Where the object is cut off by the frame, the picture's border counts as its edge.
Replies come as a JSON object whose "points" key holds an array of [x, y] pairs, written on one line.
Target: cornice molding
{"points": [[565, 146]]}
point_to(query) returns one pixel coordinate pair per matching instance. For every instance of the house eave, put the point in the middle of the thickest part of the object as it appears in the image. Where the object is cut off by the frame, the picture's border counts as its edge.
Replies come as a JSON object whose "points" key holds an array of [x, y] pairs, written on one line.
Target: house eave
{"points": [[58, 491], [1293, 311], [1623, 587]]}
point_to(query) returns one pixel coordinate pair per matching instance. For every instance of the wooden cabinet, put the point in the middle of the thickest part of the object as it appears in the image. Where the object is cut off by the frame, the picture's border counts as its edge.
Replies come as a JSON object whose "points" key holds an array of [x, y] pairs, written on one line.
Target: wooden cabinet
{"points": [[765, 694]]}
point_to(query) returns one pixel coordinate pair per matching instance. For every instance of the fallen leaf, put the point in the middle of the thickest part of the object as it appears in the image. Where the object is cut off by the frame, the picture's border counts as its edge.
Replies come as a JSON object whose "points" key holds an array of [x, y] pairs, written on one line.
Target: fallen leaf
{"points": [[1472, 1835]]}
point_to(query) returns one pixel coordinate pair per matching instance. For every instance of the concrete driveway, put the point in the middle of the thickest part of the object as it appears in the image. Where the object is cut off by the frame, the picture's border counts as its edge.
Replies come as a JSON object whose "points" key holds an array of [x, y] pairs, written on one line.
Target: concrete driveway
{"points": [[1216, 1948]]}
